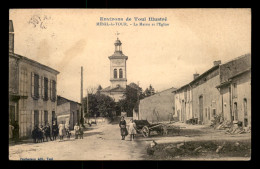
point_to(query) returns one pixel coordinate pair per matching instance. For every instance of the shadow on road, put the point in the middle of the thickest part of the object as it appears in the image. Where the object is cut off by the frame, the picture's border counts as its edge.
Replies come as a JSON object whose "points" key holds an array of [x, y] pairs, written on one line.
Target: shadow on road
{"points": [[92, 133]]}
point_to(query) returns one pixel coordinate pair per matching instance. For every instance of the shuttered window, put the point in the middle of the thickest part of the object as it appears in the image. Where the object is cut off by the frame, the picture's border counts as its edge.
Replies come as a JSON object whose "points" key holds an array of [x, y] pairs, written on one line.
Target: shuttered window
{"points": [[35, 86], [45, 93]]}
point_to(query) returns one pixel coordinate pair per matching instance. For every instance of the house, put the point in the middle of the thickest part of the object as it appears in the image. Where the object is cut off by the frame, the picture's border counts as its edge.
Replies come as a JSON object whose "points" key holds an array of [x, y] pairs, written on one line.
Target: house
{"points": [[68, 111], [32, 91], [158, 107], [235, 89], [224, 89]]}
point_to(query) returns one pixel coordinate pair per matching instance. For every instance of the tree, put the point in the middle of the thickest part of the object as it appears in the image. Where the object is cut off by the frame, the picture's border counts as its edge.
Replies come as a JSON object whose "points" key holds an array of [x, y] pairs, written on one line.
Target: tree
{"points": [[149, 91], [99, 89]]}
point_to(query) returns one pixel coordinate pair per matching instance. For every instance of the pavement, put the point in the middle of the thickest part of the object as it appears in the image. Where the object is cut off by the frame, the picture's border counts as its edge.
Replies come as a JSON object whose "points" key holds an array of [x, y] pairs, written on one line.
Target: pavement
{"points": [[103, 142]]}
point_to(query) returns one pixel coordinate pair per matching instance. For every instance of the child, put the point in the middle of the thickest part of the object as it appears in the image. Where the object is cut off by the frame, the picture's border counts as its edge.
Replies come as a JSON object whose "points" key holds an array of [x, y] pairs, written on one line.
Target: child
{"points": [[132, 129], [81, 132]]}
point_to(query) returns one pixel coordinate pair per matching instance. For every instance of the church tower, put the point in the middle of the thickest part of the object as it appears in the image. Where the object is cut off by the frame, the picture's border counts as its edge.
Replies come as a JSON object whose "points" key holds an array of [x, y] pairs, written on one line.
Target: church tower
{"points": [[118, 73]]}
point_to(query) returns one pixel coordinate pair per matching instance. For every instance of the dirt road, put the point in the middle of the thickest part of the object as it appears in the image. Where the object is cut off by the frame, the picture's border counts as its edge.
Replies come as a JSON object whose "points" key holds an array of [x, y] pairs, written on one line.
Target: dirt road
{"points": [[103, 142]]}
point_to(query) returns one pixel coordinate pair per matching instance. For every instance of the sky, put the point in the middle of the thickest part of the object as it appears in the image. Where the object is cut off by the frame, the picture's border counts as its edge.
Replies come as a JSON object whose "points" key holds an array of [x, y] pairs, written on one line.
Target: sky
{"points": [[165, 57]]}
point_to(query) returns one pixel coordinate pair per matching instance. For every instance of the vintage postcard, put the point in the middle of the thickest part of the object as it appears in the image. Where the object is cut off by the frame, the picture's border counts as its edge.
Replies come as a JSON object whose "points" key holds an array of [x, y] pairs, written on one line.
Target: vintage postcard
{"points": [[130, 84]]}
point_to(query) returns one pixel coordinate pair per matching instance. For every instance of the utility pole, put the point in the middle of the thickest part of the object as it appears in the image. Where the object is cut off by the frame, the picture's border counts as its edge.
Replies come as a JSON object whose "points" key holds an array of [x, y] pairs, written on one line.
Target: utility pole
{"points": [[87, 107], [81, 98]]}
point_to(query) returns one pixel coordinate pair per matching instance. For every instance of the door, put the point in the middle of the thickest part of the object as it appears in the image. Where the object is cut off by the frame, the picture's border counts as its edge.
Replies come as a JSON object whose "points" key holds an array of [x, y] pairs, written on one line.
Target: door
{"points": [[182, 110], [201, 108], [245, 113], [235, 111], [45, 117], [12, 114]]}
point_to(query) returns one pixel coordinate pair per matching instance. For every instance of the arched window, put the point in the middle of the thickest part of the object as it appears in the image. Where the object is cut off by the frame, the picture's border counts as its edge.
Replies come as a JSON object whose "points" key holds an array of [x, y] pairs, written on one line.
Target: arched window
{"points": [[115, 73], [120, 73]]}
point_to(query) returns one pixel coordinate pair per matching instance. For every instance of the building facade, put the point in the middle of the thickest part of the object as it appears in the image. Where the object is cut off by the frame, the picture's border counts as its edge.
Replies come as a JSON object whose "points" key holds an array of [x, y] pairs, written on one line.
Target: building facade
{"points": [[158, 107], [118, 73], [235, 90], [32, 91], [68, 111], [224, 89]]}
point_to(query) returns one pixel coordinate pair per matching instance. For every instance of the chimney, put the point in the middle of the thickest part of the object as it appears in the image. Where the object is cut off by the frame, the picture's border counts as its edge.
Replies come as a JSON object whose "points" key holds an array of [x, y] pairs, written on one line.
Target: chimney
{"points": [[217, 62], [11, 36], [195, 75]]}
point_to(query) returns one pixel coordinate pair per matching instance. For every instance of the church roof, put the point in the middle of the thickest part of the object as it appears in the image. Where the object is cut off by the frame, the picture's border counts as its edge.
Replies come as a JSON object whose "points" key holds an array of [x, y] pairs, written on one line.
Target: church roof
{"points": [[115, 89]]}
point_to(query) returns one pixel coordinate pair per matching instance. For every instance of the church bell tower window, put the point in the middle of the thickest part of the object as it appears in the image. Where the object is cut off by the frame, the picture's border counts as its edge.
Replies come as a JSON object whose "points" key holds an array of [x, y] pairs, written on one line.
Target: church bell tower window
{"points": [[120, 73], [115, 73]]}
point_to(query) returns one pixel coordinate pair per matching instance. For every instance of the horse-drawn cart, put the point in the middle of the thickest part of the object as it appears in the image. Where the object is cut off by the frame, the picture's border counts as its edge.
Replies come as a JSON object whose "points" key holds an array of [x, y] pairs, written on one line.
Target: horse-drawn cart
{"points": [[145, 128]]}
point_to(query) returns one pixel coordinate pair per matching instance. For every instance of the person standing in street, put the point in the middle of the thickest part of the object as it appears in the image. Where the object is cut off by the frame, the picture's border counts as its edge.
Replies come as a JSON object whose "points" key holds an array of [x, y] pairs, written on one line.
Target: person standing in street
{"points": [[47, 131], [16, 132], [11, 128], [61, 130], [55, 130], [123, 130], [67, 128], [35, 134], [76, 129], [81, 131], [132, 129]]}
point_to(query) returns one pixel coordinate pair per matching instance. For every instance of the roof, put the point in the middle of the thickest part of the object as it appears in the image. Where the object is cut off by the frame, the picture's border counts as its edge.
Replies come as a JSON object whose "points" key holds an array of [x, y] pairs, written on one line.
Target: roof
{"points": [[199, 77], [33, 62], [118, 42], [115, 89], [60, 97]]}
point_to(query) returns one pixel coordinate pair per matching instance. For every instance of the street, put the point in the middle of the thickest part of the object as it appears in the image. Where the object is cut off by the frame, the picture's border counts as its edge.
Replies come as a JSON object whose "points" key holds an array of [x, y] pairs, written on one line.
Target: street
{"points": [[103, 142]]}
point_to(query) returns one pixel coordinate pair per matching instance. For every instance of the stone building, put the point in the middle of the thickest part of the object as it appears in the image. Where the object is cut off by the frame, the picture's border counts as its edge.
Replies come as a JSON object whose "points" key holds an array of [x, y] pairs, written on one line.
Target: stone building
{"points": [[235, 89], [224, 89], [158, 107], [68, 111], [118, 73], [32, 91]]}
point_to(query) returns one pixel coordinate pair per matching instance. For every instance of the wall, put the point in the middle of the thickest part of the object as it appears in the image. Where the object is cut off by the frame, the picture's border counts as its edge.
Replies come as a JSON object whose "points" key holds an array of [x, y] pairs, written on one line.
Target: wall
{"points": [[158, 107], [211, 97], [243, 92], [28, 105], [183, 104]]}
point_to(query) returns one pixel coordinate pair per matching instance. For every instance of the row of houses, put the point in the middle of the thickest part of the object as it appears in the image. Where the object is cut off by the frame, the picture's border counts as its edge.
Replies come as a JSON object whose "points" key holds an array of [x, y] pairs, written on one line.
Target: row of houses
{"points": [[32, 93], [224, 89]]}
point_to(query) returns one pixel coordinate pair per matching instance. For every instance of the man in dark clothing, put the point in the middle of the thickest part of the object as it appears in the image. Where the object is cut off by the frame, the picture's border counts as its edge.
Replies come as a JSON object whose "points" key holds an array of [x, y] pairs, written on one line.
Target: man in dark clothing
{"points": [[47, 131], [34, 133], [55, 130], [16, 131]]}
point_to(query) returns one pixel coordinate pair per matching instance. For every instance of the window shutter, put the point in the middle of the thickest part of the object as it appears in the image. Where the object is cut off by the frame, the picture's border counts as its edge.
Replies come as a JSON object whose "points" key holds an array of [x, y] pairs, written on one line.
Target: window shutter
{"points": [[50, 89], [32, 86], [40, 86]]}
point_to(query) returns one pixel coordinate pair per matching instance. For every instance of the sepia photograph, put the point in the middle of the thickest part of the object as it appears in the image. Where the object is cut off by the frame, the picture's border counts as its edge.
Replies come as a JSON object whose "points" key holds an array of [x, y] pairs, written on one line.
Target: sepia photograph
{"points": [[130, 84]]}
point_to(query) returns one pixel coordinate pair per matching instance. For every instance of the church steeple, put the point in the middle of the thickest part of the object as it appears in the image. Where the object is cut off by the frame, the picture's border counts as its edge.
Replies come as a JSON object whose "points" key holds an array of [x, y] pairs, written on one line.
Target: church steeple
{"points": [[118, 47], [118, 66]]}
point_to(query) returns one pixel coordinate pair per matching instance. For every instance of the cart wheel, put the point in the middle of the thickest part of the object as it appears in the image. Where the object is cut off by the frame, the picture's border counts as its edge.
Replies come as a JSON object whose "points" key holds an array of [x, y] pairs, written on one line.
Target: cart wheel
{"points": [[145, 131]]}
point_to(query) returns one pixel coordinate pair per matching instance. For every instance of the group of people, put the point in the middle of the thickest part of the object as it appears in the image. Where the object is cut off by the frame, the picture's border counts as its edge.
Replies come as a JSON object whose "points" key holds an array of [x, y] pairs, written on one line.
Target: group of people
{"points": [[61, 130], [131, 129], [39, 133]]}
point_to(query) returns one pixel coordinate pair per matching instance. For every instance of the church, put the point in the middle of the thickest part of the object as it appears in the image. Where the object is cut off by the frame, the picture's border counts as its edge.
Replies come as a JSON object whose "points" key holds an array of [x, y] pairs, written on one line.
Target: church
{"points": [[118, 78]]}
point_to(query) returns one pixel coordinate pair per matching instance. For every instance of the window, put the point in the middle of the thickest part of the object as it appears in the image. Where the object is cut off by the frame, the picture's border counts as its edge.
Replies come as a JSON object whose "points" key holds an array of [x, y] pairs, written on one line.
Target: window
{"points": [[120, 73], [235, 90], [115, 73], [36, 117], [35, 86], [23, 82], [45, 93], [53, 90], [45, 117]]}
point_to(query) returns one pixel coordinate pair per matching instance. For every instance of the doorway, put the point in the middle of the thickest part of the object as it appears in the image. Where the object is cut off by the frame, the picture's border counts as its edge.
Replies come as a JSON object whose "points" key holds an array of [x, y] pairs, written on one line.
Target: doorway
{"points": [[201, 108], [235, 111]]}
